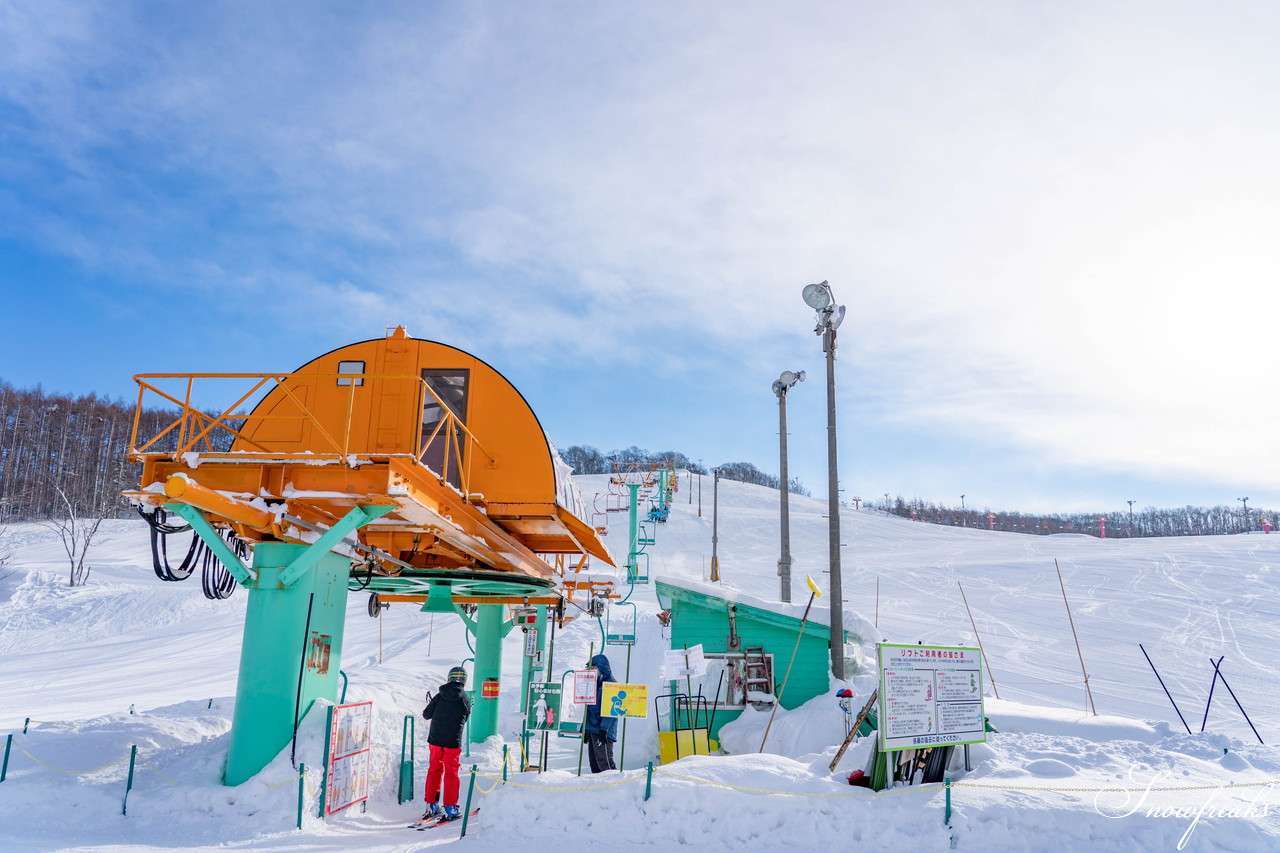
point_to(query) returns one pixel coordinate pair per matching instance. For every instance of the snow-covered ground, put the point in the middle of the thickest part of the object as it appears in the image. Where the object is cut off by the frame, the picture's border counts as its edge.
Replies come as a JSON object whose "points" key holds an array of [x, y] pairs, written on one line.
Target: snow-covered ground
{"points": [[75, 661]]}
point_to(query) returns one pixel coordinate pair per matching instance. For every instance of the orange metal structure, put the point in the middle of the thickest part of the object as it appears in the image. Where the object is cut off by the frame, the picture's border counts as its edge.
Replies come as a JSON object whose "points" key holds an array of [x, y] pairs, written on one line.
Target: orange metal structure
{"points": [[478, 495]]}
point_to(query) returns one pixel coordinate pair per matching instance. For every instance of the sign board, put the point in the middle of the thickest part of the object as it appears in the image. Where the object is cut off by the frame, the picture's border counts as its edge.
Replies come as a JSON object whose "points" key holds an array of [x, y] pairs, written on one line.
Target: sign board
{"points": [[685, 663], [930, 696], [347, 776], [531, 642], [544, 706], [624, 700], [489, 688], [584, 687]]}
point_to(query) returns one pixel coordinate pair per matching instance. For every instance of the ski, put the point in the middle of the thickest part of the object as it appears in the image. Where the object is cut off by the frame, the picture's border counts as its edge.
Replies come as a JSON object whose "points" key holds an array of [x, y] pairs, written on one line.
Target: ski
{"points": [[445, 822], [423, 822]]}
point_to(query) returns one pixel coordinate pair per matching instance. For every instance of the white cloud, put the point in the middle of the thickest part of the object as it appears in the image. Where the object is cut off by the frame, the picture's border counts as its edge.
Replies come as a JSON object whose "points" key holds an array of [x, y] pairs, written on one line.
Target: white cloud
{"points": [[1050, 224]]}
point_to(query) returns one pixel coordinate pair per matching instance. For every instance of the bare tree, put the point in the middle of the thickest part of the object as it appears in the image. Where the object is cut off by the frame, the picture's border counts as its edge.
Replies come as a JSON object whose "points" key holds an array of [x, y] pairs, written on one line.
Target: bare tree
{"points": [[6, 554], [77, 532]]}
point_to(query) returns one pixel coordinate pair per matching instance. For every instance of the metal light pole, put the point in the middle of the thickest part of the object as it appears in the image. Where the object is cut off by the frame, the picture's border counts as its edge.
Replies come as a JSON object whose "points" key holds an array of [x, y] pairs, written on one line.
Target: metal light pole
{"points": [[1245, 501], [830, 316], [780, 386], [715, 524], [1130, 518]]}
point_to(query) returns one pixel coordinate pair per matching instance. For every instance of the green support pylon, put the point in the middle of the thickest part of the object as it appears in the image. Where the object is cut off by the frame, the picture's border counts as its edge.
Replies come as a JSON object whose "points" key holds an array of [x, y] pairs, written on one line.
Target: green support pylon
{"points": [[491, 626], [633, 567], [293, 629], [291, 653]]}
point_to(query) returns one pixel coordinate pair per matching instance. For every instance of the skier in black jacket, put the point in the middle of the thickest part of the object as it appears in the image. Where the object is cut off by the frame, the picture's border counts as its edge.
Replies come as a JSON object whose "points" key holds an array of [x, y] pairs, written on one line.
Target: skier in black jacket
{"points": [[600, 731], [448, 711]]}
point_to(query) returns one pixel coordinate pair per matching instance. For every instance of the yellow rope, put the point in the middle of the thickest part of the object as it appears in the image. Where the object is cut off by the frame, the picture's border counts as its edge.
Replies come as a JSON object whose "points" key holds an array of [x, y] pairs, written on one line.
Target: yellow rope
{"points": [[72, 772], [492, 788], [285, 782], [915, 789], [157, 772], [574, 788], [1117, 790]]}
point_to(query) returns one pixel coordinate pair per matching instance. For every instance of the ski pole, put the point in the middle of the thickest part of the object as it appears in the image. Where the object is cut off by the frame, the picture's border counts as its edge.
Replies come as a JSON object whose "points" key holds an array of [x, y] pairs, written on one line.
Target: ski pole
{"points": [[1166, 689]]}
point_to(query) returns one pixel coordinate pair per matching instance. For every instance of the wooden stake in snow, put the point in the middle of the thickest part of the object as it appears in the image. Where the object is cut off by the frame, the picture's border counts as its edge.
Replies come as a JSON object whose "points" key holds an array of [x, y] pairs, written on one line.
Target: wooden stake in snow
{"points": [[1087, 689], [985, 662], [813, 592]]}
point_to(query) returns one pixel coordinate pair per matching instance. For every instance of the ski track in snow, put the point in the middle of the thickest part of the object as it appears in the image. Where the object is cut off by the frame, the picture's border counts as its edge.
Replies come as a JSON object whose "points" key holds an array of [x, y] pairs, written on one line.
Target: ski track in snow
{"points": [[74, 660]]}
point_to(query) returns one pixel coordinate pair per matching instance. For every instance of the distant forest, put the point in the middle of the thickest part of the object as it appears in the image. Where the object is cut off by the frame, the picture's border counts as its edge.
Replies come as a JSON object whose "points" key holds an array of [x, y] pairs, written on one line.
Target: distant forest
{"points": [[1118, 524], [63, 454], [585, 459]]}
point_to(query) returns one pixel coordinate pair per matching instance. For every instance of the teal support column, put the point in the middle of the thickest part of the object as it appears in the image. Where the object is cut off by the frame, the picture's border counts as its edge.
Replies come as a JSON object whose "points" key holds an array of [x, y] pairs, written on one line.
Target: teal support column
{"points": [[535, 666], [291, 654], [634, 536], [491, 627]]}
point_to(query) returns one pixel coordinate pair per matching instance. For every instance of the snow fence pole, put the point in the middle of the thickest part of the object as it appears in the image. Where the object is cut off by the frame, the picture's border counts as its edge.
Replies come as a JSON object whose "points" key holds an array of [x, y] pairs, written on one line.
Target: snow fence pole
{"points": [[1212, 684], [1166, 689], [133, 756], [778, 699], [648, 782], [302, 790], [466, 813], [4, 769], [946, 819], [1237, 701]]}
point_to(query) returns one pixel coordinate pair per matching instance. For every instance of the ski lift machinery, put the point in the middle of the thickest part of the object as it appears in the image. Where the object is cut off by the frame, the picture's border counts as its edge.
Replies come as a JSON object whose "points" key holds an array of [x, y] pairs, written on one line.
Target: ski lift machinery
{"points": [[405, 468]]}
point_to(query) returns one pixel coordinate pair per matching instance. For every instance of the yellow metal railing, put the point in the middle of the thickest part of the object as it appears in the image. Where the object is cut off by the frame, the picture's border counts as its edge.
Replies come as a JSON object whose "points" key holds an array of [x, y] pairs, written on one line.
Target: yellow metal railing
{"points": [[193, 429]]}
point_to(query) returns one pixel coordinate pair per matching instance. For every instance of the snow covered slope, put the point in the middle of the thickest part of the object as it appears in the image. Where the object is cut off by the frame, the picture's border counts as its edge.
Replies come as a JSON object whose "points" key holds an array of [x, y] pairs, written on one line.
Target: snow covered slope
{"points": [[75, 660]]}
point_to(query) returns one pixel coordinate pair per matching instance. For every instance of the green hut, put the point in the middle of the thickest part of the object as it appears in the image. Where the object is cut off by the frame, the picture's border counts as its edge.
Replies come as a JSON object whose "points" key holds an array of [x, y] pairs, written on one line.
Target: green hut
{"points": [[747, 643]]}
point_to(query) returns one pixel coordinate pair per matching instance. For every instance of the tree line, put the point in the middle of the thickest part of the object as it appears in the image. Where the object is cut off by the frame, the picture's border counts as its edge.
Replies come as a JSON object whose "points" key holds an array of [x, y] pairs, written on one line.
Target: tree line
{"points": [[65, 456], [1121, 523], [585, 459]]}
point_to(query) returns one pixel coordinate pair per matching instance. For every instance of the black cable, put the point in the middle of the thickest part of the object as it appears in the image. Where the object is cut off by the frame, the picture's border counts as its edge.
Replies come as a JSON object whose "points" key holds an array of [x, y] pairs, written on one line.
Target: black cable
{"points": [[302, 664]]}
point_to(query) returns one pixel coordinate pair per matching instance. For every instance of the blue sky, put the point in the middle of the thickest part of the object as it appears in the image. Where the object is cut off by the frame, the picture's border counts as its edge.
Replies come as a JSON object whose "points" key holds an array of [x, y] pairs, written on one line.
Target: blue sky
{"points": [[1052, 224]]}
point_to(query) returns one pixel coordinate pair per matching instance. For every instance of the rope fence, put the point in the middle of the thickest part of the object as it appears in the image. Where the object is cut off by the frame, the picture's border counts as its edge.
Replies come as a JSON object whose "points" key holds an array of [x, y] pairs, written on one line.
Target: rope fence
{"points": [[302, 780]]}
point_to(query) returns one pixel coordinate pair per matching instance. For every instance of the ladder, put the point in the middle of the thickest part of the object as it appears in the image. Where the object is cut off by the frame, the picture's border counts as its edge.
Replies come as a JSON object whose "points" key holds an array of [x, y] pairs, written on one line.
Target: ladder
{"points": [[758, 671]]}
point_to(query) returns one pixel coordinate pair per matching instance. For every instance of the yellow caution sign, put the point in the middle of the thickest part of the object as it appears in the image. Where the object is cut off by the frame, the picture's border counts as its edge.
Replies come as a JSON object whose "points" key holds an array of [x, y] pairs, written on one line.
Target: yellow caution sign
{"points": [[624, 700]]}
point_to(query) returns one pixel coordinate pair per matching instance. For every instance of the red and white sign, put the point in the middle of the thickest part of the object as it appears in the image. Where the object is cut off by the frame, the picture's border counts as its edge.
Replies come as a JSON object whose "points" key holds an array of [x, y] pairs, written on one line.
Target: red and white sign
{"points": [[489, 688], [584, 687], [347, 780]]}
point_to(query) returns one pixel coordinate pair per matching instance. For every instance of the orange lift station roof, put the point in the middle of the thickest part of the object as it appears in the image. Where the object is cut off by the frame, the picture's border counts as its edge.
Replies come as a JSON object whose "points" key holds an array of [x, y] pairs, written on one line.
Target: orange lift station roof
{"points": [[417, 425]]}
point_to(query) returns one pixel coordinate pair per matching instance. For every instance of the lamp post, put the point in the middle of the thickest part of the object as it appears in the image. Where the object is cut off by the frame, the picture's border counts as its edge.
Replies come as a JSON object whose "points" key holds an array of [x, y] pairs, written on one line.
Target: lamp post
{"points": [[715, 524], [1245, 501], [780, 386], [829, 317], [1130, 518]]}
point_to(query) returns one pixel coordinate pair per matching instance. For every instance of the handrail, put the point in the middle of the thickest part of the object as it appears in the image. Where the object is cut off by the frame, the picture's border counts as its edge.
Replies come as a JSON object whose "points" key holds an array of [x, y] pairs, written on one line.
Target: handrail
{"points": [[196, 427]]}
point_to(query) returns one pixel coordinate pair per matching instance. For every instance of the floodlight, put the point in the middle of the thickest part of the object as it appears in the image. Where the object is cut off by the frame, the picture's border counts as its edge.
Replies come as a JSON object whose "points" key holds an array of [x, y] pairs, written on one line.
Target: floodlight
{"points": [[817, 296]]}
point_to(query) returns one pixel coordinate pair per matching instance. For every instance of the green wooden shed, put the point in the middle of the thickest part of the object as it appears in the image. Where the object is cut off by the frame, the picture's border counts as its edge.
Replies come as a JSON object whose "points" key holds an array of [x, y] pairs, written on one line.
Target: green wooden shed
{"points": [[747, 643]]}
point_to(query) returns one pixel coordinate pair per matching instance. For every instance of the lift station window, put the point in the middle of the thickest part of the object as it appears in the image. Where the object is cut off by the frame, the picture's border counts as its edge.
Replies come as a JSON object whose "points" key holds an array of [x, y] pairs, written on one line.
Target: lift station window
{"points": [[351, 367], [443, 454]]}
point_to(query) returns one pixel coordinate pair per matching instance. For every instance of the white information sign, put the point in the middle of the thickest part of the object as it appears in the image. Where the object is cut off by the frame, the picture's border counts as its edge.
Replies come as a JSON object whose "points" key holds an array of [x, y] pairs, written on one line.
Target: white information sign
{"points": [[531, 643], [685, 663], [347, 781], [930, 696], [584, 687]]}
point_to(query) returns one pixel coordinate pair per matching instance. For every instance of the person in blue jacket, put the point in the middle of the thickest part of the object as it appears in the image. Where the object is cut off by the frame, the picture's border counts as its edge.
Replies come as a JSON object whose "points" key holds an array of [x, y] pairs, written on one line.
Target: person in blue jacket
{"points": [[600, 731]]}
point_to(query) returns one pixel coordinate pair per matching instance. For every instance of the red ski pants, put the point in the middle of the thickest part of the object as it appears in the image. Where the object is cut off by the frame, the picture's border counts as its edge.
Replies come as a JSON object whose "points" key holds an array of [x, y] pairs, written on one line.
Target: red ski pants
{"points": [[443, 764]]}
